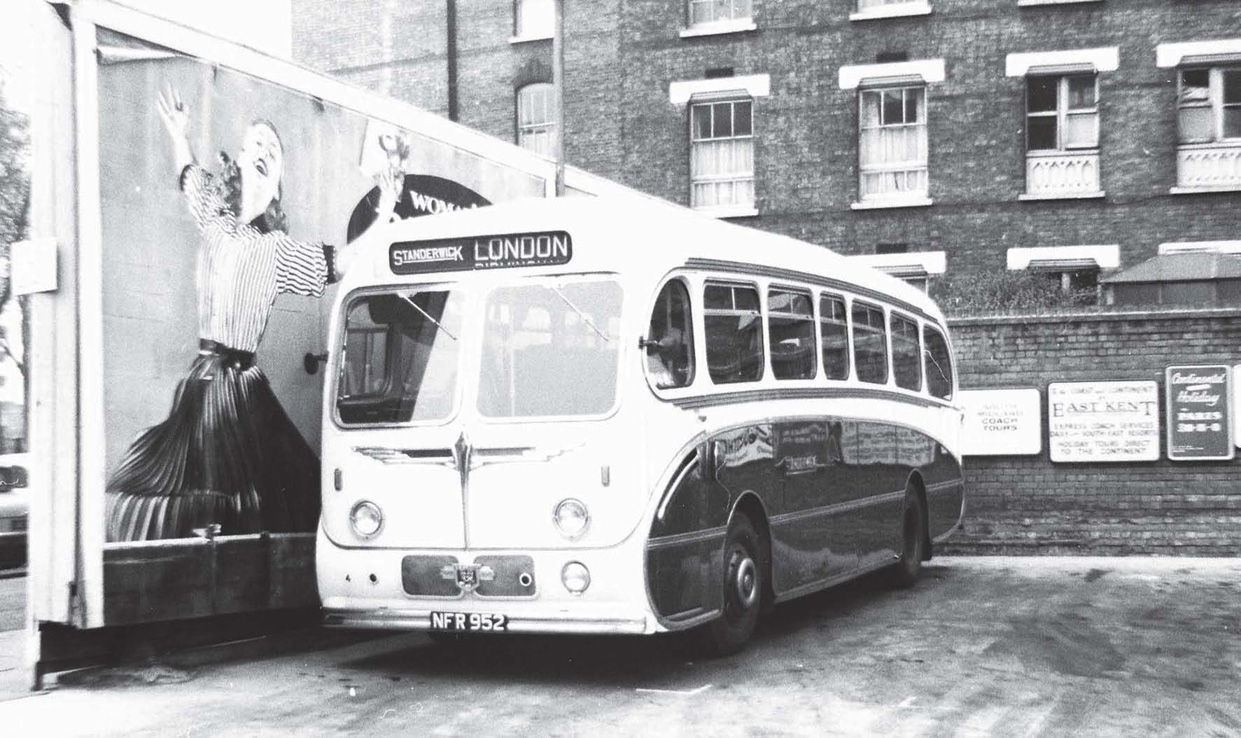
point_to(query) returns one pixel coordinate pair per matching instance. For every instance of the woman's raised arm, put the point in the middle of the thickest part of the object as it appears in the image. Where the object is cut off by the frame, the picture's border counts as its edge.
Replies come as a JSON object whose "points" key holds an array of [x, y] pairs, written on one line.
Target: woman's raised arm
{"points": [[177, 123]]}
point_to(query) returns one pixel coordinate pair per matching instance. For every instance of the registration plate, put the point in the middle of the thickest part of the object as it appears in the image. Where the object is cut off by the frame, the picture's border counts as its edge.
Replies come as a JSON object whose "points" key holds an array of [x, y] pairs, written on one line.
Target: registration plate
{"points": [[468, 621]]}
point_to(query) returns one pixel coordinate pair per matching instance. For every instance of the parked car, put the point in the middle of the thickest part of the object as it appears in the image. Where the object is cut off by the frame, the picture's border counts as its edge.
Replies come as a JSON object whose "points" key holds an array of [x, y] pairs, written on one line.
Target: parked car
{"points": [[14, 510]]}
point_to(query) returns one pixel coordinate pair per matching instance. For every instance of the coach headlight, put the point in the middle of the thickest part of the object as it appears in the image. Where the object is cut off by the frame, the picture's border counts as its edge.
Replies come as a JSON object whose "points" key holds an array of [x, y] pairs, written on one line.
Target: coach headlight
{"points": [[572, 518], [575, 577], [367, 519]]}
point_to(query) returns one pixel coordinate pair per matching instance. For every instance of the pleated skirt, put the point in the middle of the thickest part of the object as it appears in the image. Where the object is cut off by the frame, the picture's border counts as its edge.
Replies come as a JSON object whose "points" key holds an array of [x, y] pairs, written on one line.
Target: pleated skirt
{"points": [[227, 454]]}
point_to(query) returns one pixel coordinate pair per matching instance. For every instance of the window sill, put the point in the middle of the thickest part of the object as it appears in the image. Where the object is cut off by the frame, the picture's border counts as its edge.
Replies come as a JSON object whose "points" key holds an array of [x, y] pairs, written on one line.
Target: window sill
{"points": [[525, 39], [731, 211], [882, 204], [1096, 195], [906, 10], [720, 27], [1204, 190], [1030, 3]]}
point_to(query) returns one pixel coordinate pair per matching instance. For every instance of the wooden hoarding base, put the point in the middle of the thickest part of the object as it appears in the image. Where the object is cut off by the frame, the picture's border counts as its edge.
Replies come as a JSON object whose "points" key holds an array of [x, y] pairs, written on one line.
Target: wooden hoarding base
{"points": [[163, 596]]}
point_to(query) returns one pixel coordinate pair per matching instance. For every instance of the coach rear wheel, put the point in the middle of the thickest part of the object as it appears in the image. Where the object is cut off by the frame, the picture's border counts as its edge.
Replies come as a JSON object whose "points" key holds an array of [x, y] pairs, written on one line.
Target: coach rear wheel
{"points": [[743, 588], [913, 548]]}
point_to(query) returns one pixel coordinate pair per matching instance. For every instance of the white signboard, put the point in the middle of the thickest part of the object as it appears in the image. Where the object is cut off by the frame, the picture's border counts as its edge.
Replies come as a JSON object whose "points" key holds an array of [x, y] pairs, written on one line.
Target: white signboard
{"points": [[34, 266], [1236, 404], [1103, 421], [1002, 422]]}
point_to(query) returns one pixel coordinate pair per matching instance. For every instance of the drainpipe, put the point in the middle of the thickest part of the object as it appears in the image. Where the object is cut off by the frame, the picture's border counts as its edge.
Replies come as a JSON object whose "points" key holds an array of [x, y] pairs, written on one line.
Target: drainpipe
{"points": [[451, 11], [558, 86]]}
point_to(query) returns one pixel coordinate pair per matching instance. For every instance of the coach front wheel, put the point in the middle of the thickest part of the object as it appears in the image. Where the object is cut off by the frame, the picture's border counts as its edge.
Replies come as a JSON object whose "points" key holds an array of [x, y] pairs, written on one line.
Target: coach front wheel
{"points": [[743, 589]]}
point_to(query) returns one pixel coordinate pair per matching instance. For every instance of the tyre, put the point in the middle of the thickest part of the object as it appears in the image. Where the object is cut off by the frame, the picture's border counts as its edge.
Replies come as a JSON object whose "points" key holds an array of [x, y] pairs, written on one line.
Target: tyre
{"points": [[744, 580], [913, 546]]}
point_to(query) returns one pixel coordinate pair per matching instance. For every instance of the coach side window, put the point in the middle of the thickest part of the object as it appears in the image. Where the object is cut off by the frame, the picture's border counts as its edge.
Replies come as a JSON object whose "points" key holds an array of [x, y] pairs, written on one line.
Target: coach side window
{"points": [[834, 335], [734, 333], [870, 343], [669, 342], [906, 353], [938, 364], [790, 328]]}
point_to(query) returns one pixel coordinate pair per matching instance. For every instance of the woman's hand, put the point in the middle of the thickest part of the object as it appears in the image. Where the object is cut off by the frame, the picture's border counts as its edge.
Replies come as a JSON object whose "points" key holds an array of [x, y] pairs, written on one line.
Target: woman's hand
{"points": [[391, 182], [177, 122]]}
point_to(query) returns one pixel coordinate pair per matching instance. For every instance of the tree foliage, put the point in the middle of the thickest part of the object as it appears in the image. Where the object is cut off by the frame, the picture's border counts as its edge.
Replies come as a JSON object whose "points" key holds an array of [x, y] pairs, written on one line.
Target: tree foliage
{"points": [[14, 192], [1005, 292]]}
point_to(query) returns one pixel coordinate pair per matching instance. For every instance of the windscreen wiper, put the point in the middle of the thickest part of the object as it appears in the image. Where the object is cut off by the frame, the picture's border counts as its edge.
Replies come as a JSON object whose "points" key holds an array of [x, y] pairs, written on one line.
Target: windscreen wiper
{"points": [[585, 318], [428, 317]]}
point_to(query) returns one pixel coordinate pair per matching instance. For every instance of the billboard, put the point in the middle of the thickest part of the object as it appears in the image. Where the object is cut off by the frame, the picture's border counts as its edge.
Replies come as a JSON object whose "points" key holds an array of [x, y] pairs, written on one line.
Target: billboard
{"points": [[1002, 422], [1103, 421], [1199, 414], [228, 206]]}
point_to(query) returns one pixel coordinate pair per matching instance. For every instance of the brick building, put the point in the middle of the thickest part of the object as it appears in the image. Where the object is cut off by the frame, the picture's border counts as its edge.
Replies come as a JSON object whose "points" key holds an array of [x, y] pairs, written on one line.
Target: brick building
{"points": [[932, 136]]}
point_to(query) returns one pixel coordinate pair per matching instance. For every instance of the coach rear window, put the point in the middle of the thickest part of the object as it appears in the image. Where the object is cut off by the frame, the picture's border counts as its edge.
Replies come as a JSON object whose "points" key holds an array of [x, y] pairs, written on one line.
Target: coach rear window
{"points": [[834, 335], [938, 364], [870, 343], [906, 353]]}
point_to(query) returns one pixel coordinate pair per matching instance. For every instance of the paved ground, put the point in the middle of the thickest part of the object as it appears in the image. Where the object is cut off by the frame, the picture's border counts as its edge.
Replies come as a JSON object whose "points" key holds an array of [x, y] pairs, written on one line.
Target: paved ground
{"points": [[981, 647]]}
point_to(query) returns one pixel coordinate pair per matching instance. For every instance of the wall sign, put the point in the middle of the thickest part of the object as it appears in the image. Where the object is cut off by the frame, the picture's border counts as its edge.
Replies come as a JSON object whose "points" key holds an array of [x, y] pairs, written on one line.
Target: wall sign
{"points": [[1002, 422], [1103, 421], [1236, 405], [1199, 412]]}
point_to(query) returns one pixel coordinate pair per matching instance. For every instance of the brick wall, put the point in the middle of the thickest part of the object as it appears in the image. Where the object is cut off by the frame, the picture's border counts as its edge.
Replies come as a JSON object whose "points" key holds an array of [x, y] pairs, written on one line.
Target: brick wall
{"points": [[621, 56], [1026, 504]]}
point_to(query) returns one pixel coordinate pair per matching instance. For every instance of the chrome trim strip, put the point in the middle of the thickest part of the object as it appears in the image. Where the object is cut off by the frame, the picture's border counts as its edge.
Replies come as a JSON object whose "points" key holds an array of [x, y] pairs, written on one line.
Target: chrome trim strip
{"points": [[689, 622], [941, 487], [680, 539], [697, 402], [837, 508], [806, 589], [421, 620], [691, 461], [477, 457], [436, 457], [736, 267]]}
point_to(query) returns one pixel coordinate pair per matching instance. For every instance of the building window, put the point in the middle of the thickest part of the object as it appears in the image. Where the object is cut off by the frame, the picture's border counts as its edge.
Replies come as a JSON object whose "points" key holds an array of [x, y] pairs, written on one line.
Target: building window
{"points": [[1209, 105], [1062, 112], [893, 143], [1081, 283], [1208, 113], [1062, 136], [1074, 269], [536, 128], [878, 9], [534, 18], [703, 12], [722, 156]]}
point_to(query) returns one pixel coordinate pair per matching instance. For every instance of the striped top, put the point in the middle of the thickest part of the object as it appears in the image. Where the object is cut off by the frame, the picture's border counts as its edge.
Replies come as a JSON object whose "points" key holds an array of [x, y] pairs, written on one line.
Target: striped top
{"points": [[241, 270]]}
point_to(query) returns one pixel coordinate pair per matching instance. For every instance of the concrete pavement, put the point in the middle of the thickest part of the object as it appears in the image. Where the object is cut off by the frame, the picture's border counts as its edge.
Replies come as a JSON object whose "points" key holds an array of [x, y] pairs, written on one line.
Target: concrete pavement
{"points": [[981, 647]]}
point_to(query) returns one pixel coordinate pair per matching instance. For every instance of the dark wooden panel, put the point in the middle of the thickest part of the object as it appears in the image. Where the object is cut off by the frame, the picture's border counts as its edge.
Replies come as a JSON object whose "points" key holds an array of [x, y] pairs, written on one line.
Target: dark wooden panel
{"points": [[192, 578]]}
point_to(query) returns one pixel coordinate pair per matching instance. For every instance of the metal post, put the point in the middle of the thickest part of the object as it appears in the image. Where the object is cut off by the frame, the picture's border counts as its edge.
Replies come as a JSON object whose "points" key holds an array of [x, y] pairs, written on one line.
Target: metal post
{"points": [[558, 87]]}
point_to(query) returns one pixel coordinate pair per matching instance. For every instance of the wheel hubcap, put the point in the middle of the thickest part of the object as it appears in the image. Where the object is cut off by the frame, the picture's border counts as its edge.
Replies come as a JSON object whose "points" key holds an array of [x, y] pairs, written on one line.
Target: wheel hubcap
{"points": [[745, 581]]}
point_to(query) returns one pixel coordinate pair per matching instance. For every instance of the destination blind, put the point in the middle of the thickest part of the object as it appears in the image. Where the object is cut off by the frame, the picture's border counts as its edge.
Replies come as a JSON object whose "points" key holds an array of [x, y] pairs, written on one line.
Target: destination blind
{"points": [[550, 248]]}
